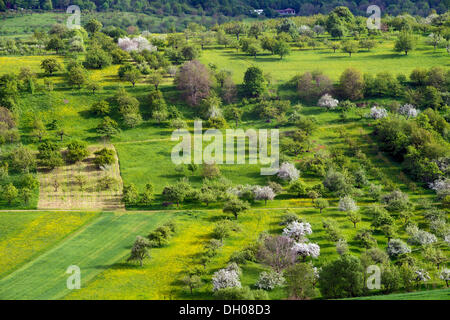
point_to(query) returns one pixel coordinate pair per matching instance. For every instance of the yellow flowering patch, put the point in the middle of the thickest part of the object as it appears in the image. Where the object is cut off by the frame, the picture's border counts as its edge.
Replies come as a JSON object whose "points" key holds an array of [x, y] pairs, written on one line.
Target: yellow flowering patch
{"points": [[45, 230], [160, 277]]}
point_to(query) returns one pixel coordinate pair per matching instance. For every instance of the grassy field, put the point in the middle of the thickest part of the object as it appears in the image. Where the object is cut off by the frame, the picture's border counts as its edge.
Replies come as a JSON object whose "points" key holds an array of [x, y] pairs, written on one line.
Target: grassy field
{"points": [[442, 294], [94, 248], [37, 247], [323, 59], [25, 235], [160, 277]]}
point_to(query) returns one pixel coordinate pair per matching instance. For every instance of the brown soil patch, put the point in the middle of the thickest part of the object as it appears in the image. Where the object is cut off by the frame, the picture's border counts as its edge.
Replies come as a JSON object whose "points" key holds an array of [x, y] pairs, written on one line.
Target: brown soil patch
{"points": [[69, 194]]}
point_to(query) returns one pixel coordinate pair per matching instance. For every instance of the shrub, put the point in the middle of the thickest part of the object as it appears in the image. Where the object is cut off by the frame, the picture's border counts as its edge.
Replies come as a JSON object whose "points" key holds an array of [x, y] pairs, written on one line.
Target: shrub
{"points": [[225, 279], [76, 151], [397, 247], [270, 280], [104, 157], [234, 293]]}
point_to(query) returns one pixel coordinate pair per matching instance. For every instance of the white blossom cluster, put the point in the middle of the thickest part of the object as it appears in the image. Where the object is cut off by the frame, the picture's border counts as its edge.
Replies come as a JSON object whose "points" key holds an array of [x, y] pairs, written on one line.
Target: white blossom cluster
{"points": [[378, 113], [430, 18], [214, 112], [422, 275], [441, 186], [397, 247], [135, 44], [408, 110], [307, 249], [297, 230], [347, 204], [327, 101], [288, 171], [263, 193], [316, 272], [445, 275], [305, 30], [270, 280], [225, 278], [447, 239], [242, 190], [420, 237]]}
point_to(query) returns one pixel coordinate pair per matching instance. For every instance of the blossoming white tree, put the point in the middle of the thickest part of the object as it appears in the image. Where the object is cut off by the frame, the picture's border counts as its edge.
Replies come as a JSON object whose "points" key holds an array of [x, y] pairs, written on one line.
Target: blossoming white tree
{"points": [[307, 249], [408, 110], [445, 275], [135, 44], [288, 171], [270, 280], [327, 101], [378, 113], [420, 237], [264, 193], [347, 204], [397, 247], [441, 186], [297, 230], [225, 279]]}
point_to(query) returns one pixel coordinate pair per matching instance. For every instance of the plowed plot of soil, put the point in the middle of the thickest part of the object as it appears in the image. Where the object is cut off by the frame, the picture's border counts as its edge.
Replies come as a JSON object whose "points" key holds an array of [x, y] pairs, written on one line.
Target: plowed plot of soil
{"points": [[71, 195]]}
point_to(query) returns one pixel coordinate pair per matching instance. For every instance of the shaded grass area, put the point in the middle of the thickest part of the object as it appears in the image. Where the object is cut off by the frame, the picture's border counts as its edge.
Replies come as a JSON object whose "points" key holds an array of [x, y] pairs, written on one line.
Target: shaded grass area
{"points": [[94, 249]]}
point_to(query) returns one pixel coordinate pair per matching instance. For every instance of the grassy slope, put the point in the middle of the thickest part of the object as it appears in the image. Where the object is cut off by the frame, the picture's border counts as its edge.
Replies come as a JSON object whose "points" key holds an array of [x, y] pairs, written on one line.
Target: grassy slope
{"points": [[94, 248], [25, 235], [160, 277], [332, 64], [442, 294]]}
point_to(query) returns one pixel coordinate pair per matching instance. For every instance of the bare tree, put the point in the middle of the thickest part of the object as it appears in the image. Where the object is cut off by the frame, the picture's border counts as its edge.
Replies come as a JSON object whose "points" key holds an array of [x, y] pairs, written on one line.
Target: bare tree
{"points": [[195, 81], [277, 252]]}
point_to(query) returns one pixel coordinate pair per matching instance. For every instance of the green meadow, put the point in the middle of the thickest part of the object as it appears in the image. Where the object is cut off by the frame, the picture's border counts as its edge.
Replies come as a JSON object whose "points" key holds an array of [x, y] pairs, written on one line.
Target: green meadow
{"points": [[93, 248]]}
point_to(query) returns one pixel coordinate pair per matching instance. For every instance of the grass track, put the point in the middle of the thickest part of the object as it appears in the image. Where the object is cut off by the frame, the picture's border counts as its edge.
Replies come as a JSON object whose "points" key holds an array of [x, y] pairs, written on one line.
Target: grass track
{"points": [[93, 248]]}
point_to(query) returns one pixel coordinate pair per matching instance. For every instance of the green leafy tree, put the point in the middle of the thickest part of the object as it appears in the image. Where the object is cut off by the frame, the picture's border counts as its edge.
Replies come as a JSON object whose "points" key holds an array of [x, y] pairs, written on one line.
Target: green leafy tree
{"points": [[192, 282], [321, 204], [50, 65], [77, 77], [350, 47], [93, 26], [130, 194], [300, 281], [177, 192], [104, 157], [342, 278], [56, 44], [10, 193], [254, 82], [405, 42], [108, 127], [101, 108], [236, 206], [49, 155], [282, 49], [76, 151], [139, 251], [25, 194]]}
